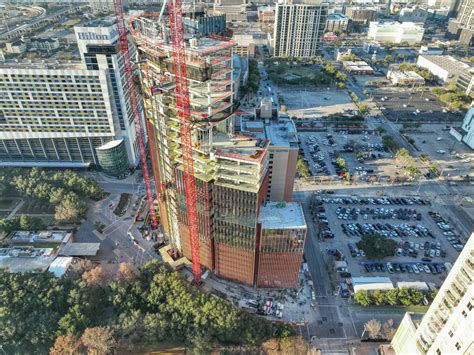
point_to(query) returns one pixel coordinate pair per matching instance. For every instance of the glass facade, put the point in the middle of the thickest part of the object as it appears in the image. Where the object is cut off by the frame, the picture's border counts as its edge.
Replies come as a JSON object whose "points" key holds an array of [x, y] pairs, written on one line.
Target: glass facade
{"points": [[113, 158]]}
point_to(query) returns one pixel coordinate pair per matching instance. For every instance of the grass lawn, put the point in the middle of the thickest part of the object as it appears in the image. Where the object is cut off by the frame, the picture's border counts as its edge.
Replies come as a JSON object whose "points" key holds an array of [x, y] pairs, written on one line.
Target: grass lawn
{"points": [[36, 207]]}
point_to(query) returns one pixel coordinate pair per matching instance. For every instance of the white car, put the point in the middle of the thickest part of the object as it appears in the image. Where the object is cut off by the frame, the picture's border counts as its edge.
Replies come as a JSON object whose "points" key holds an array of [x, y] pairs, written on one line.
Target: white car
{"points": [[415, 269], [440, 151]]}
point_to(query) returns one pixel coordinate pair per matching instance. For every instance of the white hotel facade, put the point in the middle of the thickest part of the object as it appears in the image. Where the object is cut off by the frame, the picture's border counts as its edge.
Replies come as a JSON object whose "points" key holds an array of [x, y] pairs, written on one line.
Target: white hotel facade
{"points": [[58, 114]]}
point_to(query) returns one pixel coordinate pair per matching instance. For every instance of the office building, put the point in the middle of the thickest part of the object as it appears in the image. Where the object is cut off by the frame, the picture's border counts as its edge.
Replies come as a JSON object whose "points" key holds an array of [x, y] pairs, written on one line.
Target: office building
{"points": [[235, 10], [205, 25], [449, 69], [396, 32], [468, 128], [337, 22], [463, 26], [299, 27], [230, 168], [413, 14], [266, 15], [283, 152], [282, 235], [361, 14], [58, 115], [448, 325]]}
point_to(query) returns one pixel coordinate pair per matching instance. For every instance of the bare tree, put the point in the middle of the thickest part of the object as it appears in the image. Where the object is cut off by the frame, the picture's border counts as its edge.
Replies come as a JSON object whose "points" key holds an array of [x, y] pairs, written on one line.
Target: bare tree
{"points": [[126, 273], [388, 330], [69, 345], [373, 327], [97, 276], [99, 340], [79, 266]]}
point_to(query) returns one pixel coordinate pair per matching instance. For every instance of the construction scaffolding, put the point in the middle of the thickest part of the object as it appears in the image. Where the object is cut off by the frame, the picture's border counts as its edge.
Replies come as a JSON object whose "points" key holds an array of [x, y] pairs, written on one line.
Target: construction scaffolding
{"points": [[229, 170]]}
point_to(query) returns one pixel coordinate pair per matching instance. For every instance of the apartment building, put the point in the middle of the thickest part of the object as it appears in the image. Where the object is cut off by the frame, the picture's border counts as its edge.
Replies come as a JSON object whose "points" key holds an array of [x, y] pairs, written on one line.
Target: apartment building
{"points": [[462, 27], [468, 128], [299, 27], [337, 22], [57, 115], [230, 168], [448, 325]]}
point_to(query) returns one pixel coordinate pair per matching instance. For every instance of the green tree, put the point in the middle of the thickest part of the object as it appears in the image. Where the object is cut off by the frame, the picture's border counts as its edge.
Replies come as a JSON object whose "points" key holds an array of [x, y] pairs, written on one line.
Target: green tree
{"points": [[391, 296], [363, 297], [302, 168], [71, 209], [389, 143], [376, 246], [378, 297]]}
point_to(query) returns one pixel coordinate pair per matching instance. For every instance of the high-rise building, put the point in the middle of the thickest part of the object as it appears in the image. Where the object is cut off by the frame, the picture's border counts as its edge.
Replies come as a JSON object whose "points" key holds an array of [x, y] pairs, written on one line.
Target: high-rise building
{"points": [[361, 14], [230, 168], [448, 325], [299, 27], [463, 26], [58, 115]]}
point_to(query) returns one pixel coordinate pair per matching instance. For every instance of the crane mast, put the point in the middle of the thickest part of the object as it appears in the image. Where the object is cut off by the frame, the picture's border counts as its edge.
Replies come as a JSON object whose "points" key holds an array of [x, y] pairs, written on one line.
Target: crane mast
{"points": [[184, 117], [135, 106]]}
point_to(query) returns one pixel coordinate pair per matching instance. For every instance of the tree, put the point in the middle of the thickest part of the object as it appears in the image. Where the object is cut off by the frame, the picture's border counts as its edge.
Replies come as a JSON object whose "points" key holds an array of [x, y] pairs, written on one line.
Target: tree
{"points": [[126, 273], [388, 330], [378, 297], [96, 277], [70, 209], [99, 340], [66, 345], [363, 297], [373, 328], [31, 223], [302, 168], [376, 246], [391, 296]]}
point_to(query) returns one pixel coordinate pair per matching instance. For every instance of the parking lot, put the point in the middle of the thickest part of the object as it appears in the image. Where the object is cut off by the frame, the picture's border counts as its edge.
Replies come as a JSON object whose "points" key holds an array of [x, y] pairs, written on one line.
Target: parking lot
{"points": [[363, 155], [426, 243], [453, 157], [316, 103], [414, 105]]}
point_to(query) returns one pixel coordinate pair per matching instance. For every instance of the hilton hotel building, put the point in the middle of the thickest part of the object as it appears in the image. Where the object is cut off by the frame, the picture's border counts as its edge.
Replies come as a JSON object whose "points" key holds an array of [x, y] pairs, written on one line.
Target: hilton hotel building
{"points": [[58, 114]]}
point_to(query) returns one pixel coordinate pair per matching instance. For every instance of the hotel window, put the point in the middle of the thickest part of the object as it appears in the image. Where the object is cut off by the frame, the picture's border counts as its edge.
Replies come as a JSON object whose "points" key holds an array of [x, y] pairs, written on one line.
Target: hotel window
{"points": [[458, 346]]}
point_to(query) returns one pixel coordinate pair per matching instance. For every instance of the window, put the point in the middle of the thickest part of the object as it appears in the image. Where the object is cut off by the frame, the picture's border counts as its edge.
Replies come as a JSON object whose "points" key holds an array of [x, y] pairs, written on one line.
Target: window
{"points": [[438, 352], [464, 314], [469, 306], [451, 333], [458, 346]]}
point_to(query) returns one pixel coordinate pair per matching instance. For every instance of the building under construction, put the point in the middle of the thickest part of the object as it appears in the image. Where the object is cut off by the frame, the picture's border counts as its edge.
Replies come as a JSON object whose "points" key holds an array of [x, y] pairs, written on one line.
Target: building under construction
{"points": [[230, 170]]}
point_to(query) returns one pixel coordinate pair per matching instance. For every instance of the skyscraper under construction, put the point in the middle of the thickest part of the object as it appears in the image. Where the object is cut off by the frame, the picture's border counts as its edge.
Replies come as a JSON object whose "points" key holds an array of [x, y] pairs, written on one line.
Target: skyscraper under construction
{"points": [[230, 170]]}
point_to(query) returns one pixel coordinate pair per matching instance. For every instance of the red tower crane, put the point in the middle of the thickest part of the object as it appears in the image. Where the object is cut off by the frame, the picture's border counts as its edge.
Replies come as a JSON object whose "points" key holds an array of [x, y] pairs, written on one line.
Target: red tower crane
{"points": [[184, 118], [135, 106], [175, 12]]}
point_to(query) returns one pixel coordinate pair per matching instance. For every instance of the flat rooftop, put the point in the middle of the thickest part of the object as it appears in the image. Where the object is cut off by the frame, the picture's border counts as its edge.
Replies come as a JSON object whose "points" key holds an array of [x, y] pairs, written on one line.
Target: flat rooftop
{"points": [[280, 132], [337, 16], [449, 63], [282, 215], [40, 237], [42, 64], [80, 249], [26, 259], [102, 22]]}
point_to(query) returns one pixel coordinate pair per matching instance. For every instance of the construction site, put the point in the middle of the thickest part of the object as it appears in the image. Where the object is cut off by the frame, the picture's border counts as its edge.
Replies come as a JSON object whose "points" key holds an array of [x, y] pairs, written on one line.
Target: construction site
{"points": [[211, 181]]}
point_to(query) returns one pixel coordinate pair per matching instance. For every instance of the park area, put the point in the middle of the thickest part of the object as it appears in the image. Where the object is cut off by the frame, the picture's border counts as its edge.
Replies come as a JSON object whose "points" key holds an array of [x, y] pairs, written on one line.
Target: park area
{"points": [[316, 73]]}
